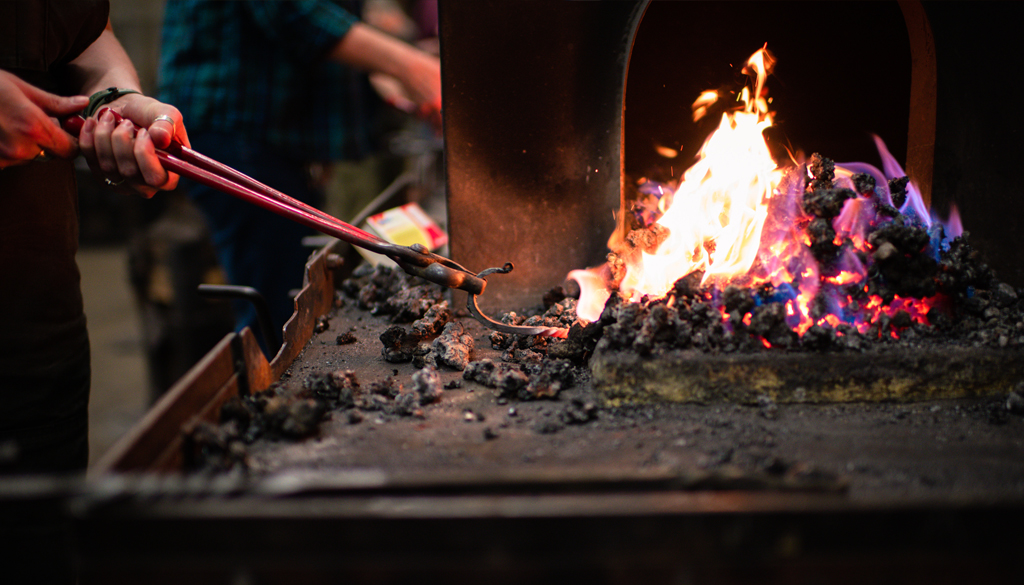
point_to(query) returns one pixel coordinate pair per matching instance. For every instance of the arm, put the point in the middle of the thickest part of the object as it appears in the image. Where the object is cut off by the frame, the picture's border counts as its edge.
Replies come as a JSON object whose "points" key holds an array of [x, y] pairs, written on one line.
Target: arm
{"points": [[116, 151], [366, 48], [313, 30]]}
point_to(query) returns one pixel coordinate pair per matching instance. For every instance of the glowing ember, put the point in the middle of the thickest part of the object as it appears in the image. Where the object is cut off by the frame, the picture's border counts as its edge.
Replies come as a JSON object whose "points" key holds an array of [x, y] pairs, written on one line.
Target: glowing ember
{"points": [[834, 246]]}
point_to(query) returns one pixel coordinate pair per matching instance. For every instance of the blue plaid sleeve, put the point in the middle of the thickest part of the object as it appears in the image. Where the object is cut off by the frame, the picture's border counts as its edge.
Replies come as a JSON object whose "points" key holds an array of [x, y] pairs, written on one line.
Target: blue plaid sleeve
{"points": [[305, 29]]}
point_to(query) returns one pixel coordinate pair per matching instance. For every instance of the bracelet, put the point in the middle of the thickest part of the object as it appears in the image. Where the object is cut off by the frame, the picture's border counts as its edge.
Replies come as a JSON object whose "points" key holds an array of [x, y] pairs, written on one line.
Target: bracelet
{"points": [[104, 97]]}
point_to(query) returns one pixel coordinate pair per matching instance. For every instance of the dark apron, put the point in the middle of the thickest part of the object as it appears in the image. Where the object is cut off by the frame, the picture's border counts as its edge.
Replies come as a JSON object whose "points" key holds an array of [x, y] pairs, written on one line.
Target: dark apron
{"points": [[44, 347]]}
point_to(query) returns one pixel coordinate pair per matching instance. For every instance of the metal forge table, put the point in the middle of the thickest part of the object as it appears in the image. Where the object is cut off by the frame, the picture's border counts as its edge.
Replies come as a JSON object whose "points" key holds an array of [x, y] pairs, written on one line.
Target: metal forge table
{"points": [[651, 495]]}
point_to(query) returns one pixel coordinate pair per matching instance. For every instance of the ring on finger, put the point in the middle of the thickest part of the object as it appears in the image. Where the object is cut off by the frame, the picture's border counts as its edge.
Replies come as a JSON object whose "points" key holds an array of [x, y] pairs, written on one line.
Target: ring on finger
{"points": [[165, 118], [112, 183]]}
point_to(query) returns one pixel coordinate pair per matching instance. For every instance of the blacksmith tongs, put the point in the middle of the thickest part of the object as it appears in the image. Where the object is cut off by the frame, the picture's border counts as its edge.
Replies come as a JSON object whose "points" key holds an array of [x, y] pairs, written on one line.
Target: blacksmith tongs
{"points": [[416, 259]]}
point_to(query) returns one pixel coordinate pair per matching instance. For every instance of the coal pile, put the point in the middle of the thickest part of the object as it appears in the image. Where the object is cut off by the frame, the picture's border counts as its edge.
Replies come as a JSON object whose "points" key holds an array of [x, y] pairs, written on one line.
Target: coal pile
{"points": [[966, 304], [273, 413]]}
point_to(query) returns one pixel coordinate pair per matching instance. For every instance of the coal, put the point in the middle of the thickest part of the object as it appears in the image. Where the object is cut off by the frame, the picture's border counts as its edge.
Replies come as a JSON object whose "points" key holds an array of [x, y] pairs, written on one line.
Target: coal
{"points": [[433, 320], [413, 303], [276, 412], [561, 314], [737, 298], [822, 170], [548, 378], [578, 412], [399, 344], [407, 404], [898, 190], [214, 448], [648, 239], [426, 382], [822, 236], [864, 184], [323, 323], [348, 386], [826, 203], [384, 290], [659, 325], [451, 349], [579, 343], [389, 387], [509, 379], [301, 418], [237, 410]]}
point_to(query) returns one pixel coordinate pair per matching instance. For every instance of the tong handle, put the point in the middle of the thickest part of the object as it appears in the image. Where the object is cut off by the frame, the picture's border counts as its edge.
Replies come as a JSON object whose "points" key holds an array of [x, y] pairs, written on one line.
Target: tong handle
{"points": [[415, 260]]}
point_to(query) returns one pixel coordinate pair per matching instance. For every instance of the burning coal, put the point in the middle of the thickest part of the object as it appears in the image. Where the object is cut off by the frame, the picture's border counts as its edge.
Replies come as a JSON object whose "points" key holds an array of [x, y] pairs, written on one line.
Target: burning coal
{"points": [[776, 252]]}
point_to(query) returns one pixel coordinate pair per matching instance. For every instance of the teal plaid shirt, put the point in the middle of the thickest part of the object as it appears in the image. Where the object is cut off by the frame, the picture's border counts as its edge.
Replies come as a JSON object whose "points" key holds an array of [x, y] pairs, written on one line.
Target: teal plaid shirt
{"points": [[259, 70]]}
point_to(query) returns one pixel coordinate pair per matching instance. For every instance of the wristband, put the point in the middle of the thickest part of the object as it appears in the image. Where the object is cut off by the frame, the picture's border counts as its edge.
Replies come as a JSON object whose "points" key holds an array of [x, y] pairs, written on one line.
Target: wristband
{"points": [[104, 97]]}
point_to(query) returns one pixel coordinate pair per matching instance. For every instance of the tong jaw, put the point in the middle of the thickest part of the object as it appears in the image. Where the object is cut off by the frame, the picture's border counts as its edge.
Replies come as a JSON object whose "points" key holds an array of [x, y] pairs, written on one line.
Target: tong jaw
{"points": [[474, 309], [419, 261]]}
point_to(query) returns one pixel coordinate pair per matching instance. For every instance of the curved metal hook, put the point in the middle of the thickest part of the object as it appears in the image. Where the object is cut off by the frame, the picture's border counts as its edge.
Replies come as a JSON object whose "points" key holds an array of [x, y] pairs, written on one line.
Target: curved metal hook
{"points": [[486, 321]]}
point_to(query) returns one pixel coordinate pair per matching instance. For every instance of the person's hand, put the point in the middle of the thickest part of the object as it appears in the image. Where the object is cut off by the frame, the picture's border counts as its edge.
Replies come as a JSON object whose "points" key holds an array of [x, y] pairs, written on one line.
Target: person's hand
{"points": [[421, 78], [28, 122], [124, 154]]}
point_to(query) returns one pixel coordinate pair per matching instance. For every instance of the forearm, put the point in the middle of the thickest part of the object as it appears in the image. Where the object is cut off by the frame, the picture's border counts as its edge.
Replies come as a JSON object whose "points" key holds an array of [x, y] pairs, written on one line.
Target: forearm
{"points": [[104, 64], [367, 48]]}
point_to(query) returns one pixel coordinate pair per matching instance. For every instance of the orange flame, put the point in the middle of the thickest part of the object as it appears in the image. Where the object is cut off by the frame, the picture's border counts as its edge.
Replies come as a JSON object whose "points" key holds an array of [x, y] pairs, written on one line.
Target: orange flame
{"points": [[714, 222], [718, 211]]}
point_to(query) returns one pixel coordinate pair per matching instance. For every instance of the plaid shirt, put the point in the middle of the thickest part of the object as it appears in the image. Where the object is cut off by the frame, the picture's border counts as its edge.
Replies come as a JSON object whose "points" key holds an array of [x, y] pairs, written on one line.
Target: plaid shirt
{"points": [[258, 70]]}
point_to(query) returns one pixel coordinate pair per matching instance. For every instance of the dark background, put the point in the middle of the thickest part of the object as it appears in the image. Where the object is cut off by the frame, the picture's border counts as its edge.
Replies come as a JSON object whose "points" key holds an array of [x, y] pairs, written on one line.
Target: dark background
{"points": [[979, 126], [842, 73]]}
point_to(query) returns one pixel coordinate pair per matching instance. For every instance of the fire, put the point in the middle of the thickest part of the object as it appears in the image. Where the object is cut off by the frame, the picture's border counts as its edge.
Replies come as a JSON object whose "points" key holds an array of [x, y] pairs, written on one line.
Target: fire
{"points": [[715, 219], [802, 236]]}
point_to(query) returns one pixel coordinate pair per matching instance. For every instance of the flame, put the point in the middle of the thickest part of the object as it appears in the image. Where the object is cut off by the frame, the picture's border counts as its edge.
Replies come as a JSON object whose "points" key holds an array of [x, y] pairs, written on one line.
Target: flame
{"points": [[736, 216], [594, 292], [715, 219]]}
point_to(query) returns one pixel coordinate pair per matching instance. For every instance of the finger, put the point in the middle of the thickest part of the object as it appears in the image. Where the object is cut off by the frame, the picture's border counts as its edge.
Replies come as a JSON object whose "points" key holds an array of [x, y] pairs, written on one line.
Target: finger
{"points": [[144, 112], [87, 142], [181, 135], [162, 132], [145, 190], [152, 171], [39, 132], [53, 104], [57, 141], [122, 145], [101, 144]]}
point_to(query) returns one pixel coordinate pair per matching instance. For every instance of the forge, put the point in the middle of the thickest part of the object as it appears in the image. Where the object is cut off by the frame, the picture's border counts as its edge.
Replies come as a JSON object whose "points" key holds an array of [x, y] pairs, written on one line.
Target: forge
{"points": [[619, 454], [836, 96]]}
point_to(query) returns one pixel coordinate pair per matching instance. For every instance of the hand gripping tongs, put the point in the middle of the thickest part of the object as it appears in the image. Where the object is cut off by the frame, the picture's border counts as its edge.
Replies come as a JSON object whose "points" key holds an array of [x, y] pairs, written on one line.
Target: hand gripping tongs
{"points": [[416, 259]]}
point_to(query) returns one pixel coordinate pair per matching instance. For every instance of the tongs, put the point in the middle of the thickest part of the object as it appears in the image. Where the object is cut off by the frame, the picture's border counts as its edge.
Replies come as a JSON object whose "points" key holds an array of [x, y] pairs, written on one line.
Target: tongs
{"points": [[416, 259]]}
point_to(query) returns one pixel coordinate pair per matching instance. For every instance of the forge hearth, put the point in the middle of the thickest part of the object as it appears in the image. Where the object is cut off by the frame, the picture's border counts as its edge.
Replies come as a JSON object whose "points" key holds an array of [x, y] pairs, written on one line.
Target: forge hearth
{"points": [[900, 374], [476, 435]]}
